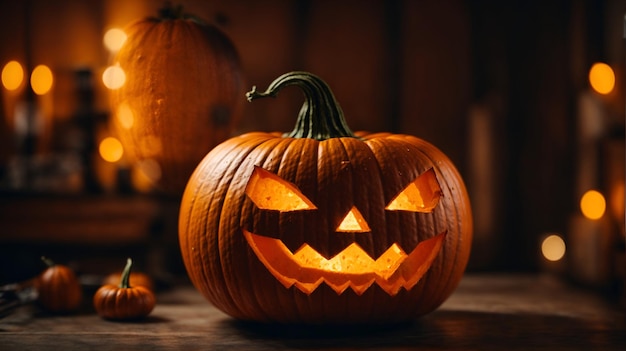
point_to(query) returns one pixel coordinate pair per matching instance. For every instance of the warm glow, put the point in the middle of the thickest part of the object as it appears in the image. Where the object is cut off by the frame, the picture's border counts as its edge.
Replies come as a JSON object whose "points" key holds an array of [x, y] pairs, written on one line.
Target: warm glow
{"points": [[353, 222], [145, 174], [111, 149], [152, 145], [125, 116], [150, 169], [553, 248], [616, 200], [113, 77], [12, 75], [593, 204], [41, 80], [114, 39], [353, 267], [421, 195], [602, 78], [270, 192]]}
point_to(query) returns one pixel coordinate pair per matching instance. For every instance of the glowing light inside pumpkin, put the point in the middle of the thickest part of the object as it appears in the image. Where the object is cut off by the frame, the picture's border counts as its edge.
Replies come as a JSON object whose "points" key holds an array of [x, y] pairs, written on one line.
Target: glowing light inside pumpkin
{"points": [[602, 78], [125, 116], [12, 75], [421, 195], [353, 222], [593, 204], [114, 77], [114, 39], [41, 80], [553, 248], [271, 192], [111, 149], [352, 267]]}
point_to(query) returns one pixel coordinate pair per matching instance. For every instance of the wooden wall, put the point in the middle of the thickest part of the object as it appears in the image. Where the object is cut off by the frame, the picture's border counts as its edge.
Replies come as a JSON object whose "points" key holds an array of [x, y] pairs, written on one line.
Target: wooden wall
{"points": [[500, 77]]}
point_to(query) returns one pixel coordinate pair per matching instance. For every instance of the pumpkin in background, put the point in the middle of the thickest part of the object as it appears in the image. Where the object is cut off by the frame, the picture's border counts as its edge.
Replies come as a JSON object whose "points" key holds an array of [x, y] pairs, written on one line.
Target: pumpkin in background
{"points": [[58, 288], [322, 225], [181, 95]]}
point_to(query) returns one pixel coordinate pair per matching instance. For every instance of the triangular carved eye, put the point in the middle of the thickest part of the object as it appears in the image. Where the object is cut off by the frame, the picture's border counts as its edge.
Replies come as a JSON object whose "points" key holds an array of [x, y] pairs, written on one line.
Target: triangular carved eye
{"points": [[421, 195], [270, 192]]}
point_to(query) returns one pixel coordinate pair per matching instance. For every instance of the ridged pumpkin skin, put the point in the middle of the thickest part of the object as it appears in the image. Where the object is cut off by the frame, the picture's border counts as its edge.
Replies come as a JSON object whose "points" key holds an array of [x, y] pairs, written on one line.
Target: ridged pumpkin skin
{"points": [[336, 174], [113, 302], [181, 97], [124, 301], [58, 288]]}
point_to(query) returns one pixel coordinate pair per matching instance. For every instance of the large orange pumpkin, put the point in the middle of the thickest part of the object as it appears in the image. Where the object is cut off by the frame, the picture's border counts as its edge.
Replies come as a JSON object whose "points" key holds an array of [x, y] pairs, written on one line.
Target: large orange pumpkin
{"points": [[322, 225], [181, 96]]}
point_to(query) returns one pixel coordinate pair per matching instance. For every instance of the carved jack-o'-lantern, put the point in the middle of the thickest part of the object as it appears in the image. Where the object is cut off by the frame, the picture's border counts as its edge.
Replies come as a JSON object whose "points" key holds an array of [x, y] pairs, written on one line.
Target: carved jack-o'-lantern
{"points": [[322, 225], [351, 267]]}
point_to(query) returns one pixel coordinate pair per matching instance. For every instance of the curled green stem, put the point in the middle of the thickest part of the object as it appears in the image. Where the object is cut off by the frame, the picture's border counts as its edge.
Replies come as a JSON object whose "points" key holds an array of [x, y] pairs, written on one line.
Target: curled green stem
{"points": [[125, 280], [174, 12], [47, 261], [320, 116]]}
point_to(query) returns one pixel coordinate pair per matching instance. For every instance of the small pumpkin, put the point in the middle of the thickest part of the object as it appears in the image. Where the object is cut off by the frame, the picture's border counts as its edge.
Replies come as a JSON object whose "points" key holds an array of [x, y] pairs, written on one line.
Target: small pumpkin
{"points": [[58, 288], [323, 225], [124, 302], [180, 97]]}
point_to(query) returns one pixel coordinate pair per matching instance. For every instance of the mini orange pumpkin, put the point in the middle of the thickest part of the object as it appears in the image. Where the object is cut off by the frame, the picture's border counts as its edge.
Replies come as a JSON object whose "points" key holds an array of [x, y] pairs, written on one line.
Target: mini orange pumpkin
{"points": [[322, 225], [58, 288], [124, 302], [181, 95]]}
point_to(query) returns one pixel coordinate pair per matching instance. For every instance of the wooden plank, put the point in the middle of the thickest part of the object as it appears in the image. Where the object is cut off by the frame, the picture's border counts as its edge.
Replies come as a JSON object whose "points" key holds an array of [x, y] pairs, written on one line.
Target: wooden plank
{"points": [[487, 312]]}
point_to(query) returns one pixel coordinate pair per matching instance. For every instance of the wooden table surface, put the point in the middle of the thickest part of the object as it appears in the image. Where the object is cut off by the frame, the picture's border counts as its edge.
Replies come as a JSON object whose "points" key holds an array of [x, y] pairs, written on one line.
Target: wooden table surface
{"points": [[486, 312]]}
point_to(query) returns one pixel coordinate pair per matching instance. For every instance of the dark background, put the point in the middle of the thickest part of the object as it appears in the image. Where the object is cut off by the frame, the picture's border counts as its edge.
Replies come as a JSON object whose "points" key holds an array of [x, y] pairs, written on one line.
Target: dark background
{"points": [[496, 85]]}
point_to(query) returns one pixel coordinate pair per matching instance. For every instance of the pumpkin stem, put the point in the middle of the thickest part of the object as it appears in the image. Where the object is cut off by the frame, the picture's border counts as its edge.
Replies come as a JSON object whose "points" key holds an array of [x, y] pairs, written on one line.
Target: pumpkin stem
{"points": [[171, 12], [47, 261], [125, 280], [320, 117]]}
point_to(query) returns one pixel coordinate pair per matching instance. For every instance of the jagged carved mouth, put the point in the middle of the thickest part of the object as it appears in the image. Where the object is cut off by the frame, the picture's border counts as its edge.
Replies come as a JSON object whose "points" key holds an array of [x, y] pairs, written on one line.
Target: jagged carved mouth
{"points": [[306, 269]]}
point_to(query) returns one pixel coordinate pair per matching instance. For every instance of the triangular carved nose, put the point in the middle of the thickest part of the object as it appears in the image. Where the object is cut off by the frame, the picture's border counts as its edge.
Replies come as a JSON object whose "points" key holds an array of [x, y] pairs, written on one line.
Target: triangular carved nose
{"points": [[353, 222]]}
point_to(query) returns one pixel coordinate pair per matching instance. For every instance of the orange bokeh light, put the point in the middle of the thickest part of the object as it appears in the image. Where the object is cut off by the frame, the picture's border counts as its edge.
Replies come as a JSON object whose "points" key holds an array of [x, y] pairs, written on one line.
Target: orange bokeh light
{"points": [[602, 78], [111, 149], [41, 80], [593, 204], [12, 75]]}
